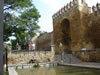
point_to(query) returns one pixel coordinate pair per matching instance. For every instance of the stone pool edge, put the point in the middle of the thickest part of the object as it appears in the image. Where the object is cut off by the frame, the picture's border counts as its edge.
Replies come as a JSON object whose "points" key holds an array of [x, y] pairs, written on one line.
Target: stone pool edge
{"points": [[82, 66], [12, 71]]}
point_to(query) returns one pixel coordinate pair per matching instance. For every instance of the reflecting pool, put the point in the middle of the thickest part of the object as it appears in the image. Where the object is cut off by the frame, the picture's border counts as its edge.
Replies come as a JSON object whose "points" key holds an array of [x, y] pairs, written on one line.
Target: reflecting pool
{"points": [[61, 70]]}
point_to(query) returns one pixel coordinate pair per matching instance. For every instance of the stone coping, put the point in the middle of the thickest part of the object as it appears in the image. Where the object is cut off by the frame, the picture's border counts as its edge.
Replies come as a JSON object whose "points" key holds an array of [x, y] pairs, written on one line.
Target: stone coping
{"points": [[31, 65], [83, 65]]}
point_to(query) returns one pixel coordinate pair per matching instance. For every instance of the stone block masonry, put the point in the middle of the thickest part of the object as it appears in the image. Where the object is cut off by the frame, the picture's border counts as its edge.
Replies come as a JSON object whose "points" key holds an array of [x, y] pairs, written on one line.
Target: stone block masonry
{"points": [[25, 57], [77, 27], [70, 22]]}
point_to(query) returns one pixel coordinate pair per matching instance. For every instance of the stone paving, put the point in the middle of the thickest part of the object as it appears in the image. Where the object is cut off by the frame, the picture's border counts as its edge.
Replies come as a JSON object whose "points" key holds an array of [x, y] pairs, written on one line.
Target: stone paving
{"points": [[12, 71]]}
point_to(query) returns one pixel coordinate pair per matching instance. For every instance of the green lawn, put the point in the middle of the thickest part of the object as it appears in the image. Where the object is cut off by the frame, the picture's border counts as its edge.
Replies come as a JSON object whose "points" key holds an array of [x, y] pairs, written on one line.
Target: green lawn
{"points": [[5, 73]]}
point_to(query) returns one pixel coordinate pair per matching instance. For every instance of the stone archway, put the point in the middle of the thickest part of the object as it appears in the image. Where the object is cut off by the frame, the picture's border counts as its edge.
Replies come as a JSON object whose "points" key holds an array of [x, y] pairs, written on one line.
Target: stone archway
{"points": [[66, 37]]}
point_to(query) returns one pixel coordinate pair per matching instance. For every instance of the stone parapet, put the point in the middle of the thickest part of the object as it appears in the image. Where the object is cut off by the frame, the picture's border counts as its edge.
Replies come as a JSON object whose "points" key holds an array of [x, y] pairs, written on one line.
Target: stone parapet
{"points": [[66, 9], [96, 9]]}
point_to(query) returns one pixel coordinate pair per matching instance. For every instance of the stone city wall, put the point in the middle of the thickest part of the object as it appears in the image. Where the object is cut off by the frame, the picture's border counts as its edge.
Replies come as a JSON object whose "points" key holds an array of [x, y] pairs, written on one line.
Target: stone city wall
{"points": [[26, 57], [69, 25], [44, 42], [94, 26], [77, 27]]}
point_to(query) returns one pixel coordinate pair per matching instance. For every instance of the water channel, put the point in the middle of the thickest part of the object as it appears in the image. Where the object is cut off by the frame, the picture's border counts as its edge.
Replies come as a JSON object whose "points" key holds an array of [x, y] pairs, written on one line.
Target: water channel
{"points": [[60, 70]]}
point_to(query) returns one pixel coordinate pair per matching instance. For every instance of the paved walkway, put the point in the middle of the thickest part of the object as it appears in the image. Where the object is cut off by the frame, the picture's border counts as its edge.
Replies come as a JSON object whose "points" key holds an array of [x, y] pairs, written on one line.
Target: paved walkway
{"points": [[86, 65], [12, 71], [70, 60]]}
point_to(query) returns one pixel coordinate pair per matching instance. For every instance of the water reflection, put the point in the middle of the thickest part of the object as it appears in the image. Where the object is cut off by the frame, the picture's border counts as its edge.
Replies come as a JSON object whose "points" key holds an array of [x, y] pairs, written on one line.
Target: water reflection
{"points": [[37, 71], [58, 71]]}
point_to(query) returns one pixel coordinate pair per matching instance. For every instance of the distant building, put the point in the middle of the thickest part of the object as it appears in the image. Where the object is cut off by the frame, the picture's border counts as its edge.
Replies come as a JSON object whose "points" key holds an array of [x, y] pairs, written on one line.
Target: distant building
{"points": [[44, 42]]}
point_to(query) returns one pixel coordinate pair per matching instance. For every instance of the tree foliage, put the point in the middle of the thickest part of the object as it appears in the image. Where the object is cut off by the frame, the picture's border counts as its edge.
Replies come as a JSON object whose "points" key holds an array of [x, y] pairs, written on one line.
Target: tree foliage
{"points": [[20, 20]]}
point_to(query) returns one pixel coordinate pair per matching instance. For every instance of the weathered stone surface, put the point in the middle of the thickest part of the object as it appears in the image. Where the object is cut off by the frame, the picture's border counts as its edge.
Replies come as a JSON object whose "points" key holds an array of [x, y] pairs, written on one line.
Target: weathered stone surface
{"points": [[25, 57], [70, 27], [77, 27]]}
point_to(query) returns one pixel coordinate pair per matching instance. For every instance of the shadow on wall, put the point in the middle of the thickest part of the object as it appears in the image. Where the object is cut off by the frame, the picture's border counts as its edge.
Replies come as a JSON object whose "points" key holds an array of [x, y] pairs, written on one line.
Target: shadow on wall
{"points": [[65, 33]]}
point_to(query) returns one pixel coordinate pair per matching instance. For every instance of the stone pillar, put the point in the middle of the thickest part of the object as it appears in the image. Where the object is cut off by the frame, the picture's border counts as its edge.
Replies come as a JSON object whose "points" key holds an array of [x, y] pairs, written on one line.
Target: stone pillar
{"points": [[1, 37], [52, 53], [52, 48]]}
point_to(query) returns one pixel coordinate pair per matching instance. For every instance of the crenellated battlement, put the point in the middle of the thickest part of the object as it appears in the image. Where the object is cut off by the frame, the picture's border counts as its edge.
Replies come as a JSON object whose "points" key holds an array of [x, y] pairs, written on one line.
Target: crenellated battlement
{"points": [[73, 4], [77, 26], [96, 8]]}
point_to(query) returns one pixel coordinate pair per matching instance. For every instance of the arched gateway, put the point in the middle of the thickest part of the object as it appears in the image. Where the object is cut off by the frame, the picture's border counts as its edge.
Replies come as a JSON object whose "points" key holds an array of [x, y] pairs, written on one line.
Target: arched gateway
{"points": [[77, 29], [65, 34], [69, 25]]}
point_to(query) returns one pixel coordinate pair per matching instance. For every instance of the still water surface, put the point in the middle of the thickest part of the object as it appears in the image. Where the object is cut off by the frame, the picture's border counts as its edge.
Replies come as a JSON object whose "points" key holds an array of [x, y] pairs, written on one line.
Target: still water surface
{"points": [[58, 71]]}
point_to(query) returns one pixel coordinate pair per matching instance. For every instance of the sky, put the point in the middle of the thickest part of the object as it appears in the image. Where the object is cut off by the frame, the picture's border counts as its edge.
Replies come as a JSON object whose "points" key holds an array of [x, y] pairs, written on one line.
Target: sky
{"points": [[47, 8]]}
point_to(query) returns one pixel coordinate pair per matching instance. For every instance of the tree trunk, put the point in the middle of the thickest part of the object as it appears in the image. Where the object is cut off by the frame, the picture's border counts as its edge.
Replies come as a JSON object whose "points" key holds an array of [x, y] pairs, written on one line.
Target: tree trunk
{"points": [[1, 37]]}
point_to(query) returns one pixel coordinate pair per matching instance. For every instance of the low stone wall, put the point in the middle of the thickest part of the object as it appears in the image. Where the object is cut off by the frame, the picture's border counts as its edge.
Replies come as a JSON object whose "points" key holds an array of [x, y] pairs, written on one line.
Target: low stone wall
{"points": [[25, 57], [88, 56]]}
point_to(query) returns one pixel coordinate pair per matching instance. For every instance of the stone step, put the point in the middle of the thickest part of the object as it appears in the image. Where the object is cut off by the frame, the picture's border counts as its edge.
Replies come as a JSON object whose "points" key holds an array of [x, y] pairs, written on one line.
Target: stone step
{"points": [[67, 58]]}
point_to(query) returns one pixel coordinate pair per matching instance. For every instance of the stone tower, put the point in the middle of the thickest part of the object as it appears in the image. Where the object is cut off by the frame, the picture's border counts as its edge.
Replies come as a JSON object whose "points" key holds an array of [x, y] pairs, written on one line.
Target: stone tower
{"points": [[70, 26]]}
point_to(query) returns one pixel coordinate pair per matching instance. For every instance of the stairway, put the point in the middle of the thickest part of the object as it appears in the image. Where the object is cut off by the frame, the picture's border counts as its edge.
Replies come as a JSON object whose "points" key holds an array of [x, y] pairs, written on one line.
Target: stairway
{"points": [[67, 58]]}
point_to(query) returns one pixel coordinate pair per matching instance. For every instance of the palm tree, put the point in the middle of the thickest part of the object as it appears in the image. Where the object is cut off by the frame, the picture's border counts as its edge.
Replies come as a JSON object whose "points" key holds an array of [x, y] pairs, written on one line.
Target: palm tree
{"points": [[1, 37]]}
